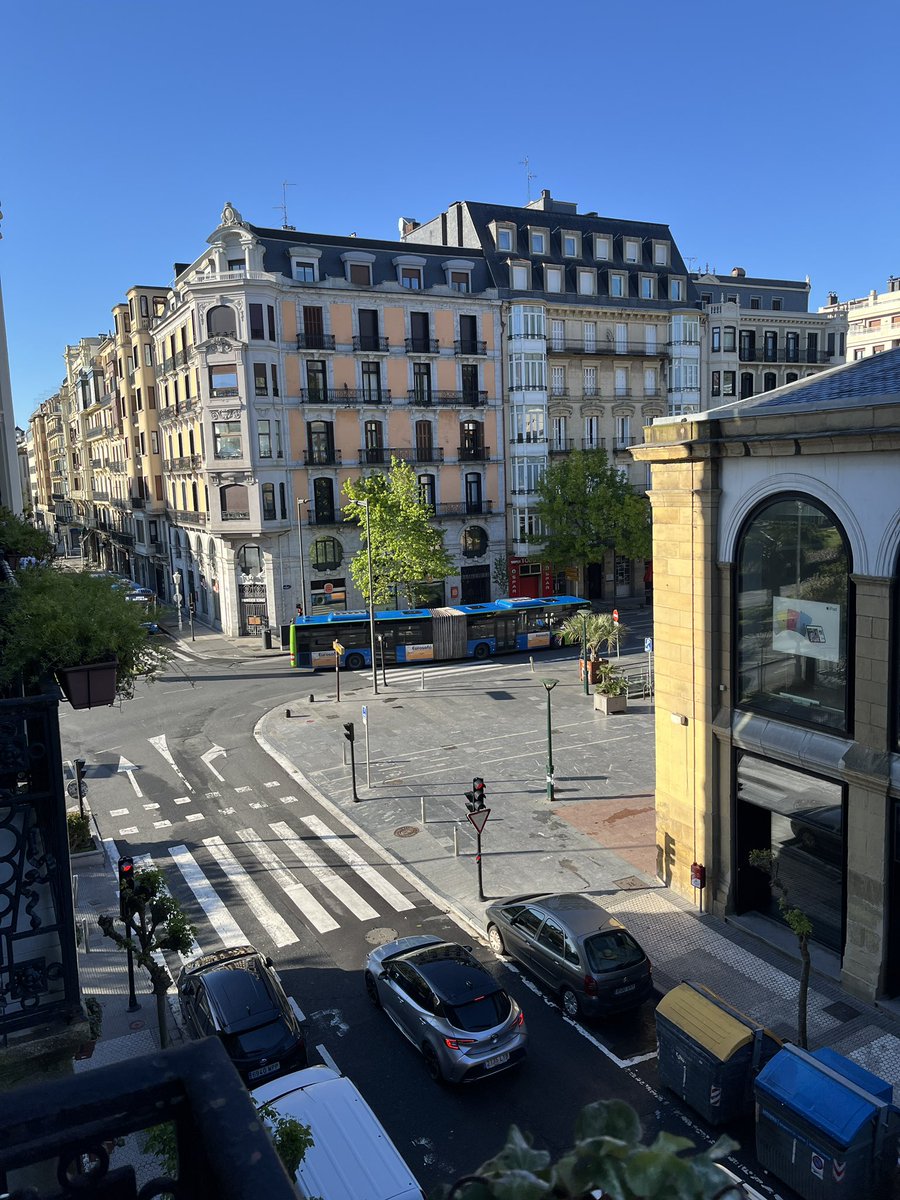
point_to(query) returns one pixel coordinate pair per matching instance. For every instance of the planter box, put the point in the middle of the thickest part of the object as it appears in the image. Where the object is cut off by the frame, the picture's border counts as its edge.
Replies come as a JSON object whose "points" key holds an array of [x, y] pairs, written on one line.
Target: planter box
{"points": [[90, 686], [609, 705], [594, 665]]}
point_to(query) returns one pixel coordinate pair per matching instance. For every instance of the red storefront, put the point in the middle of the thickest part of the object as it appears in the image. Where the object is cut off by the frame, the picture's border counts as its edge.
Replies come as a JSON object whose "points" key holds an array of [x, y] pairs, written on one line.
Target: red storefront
{"points": [[529, 579]]}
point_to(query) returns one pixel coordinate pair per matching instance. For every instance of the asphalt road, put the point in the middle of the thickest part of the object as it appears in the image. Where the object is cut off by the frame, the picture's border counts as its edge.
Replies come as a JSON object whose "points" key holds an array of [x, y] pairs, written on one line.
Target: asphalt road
{"points": [[176, 775]]}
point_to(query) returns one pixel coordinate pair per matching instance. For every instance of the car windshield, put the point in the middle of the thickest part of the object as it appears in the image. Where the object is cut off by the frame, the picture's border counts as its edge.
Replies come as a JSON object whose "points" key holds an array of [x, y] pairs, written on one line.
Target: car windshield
{"points": [[612, 950], [482, 1013], [261, 1040]]}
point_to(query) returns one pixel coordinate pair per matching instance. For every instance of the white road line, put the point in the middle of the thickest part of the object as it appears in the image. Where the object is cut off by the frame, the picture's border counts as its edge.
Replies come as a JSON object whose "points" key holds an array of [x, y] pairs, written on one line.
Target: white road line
{"points": [[259, 804], [274, 783], [127, 832], [328, 1060], [159, 743], [118, 812], [129, 769], [183, 800], [288, 799], [274, 924], [226, 812], [300, 896], [195, 817], [150, 807], [178, 654], [161, 824], [212, 795], [245, 788], [323, 873], [230, 933], [364, 870]]}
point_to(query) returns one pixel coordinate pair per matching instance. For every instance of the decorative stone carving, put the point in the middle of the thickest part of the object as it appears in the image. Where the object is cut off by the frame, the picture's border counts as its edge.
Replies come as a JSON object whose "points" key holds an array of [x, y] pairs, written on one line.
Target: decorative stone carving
{"points": [[230, 215], [225, 414]]}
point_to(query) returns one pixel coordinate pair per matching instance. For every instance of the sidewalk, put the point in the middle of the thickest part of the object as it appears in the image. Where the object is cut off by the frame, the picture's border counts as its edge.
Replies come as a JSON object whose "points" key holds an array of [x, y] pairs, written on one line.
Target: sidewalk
{"points": [[599, 835]]}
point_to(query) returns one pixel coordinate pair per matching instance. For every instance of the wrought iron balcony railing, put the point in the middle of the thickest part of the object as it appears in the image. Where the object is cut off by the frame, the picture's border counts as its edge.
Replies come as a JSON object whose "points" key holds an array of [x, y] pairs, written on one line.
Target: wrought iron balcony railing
{"points": [[467, 508], [315, 341], [418, 345], [326, 457], [371, 342], [465, 399], [469, 347], [473, 453], [345, 395]]}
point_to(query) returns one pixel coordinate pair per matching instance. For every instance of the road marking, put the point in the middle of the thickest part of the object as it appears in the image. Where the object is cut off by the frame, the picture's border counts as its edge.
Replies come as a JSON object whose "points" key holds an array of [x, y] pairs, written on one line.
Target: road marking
{"points": [[274, 924], [212, 795], [226, 812], [183, 800], [323, 873], [177, 653], [161, 824], [259, 804], [150, 807], [129, 769], [328, 1060], [118, 812], [220, 918], [364, 870], [274, 783], [288, 799], [214, 752], [308, 905], [126, 832], [159, 743], [195, 817], [245, 788]]}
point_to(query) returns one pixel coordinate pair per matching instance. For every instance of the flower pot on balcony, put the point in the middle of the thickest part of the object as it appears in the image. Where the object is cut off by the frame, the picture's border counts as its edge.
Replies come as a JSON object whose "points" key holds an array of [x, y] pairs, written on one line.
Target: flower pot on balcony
{"points": [[89, 686]]}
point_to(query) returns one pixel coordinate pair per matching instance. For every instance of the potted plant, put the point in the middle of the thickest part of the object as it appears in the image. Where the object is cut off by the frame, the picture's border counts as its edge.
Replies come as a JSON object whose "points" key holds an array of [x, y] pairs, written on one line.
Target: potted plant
{"points": [[79, 628], [610, 690], [590, 630], [21, 540]]}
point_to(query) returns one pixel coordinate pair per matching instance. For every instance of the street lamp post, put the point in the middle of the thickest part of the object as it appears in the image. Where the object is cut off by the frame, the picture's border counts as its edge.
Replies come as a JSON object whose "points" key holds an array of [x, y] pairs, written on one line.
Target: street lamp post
{"points": [[300, 504], [584, 614], [365, 505], [549, 684]]}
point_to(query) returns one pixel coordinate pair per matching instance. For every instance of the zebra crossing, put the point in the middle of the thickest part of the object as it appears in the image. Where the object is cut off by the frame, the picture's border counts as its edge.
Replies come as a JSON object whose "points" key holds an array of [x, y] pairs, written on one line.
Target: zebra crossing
{"points": [[272, 880]]}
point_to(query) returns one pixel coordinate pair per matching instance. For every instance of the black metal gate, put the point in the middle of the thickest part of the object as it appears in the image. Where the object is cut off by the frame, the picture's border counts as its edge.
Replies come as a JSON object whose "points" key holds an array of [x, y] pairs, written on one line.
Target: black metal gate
{"points": [[254, 615]]}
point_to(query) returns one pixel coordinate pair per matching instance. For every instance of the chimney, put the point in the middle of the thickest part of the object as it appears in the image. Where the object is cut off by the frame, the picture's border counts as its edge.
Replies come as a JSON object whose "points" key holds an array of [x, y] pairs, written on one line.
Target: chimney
{"points": [[738, 272]]}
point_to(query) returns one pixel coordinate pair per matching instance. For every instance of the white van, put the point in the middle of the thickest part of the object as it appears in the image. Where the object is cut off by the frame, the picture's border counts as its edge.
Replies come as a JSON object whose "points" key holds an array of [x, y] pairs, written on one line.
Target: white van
{"points": [[352, 1157]]}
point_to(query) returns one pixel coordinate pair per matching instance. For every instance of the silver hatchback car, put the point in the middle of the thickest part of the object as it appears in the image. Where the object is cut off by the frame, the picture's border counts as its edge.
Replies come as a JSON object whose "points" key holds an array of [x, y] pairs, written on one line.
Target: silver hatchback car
{"points": [[448, 1005]]}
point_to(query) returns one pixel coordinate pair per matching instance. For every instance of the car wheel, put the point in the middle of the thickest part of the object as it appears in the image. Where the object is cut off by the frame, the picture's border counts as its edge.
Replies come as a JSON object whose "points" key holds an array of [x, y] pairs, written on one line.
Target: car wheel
{"points": [[482, 650], [355, 662], [495, 940], [372, 990], [432, 1063], [570, 1004]]}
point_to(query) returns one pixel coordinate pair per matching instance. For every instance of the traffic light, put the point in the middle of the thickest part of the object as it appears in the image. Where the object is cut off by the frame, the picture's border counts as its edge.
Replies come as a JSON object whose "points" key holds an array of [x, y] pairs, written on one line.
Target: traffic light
{"points": [[475, 798], [126, 882], [192, 605], [79, 765], [349, 731]]}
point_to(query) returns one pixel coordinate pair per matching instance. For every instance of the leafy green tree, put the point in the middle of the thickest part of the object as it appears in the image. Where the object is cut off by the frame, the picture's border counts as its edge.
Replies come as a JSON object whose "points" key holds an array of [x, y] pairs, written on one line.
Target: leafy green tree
{"points": [[800, 926], [586, 506], [608, 1158], [154, 921], [406, 548]]}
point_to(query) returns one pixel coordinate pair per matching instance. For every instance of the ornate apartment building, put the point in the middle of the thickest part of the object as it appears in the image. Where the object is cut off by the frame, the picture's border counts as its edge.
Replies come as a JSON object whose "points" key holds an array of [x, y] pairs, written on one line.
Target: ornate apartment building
{"points": [[601, 337], [874, 320], [758, 335]]}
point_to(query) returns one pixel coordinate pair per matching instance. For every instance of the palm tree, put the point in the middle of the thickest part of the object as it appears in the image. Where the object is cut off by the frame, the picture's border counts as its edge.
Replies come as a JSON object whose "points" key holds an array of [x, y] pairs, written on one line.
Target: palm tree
{"points": [[593, 630]]}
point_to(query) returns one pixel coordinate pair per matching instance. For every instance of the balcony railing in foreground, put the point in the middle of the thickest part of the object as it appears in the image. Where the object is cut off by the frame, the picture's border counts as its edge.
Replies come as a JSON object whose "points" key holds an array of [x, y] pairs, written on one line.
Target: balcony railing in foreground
{"points": [[60, 1127]]}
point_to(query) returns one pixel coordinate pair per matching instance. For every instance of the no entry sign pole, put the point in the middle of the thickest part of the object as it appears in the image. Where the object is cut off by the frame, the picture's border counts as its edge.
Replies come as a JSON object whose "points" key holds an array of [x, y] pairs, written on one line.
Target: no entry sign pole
{"points": [[479, 820]]}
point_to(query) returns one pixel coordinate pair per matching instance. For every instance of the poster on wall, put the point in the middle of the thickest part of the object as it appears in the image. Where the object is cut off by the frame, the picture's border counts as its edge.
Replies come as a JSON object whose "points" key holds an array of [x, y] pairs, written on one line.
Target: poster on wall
{"points": [[806, 627]]}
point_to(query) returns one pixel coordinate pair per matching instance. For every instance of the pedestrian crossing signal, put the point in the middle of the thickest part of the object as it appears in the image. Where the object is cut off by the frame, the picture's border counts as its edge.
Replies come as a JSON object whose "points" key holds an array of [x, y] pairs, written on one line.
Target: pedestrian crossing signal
{"points": [[126, 882], [475, 798], [349, 731]]}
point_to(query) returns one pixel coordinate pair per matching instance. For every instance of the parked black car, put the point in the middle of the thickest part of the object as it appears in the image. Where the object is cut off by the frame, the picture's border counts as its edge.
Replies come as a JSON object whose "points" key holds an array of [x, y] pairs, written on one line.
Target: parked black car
{"points": [[236, 995], [576, 947]]}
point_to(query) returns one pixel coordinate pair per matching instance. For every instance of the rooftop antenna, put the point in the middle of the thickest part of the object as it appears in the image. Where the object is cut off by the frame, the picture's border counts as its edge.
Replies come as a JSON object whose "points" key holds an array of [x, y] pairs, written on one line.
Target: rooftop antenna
{"points": [[529, 175], [283, 205]]}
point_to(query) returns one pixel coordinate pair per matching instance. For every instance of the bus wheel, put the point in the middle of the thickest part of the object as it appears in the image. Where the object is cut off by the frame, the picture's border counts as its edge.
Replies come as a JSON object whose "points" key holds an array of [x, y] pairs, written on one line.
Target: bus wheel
{"points": [[482, 650], [354, 662]]}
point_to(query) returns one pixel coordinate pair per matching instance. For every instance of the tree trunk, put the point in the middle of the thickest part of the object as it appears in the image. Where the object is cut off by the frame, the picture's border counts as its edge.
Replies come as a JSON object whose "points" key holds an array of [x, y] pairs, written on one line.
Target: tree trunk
{"points": [[161, 1017], [803, 992]]}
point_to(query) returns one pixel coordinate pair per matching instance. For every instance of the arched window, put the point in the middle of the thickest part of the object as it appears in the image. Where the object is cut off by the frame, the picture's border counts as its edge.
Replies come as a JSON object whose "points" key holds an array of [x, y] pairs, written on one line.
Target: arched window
{"points": [[235, 502], [326, 554], [474, 542], [791, 377], [221, 321], [792, 601], [746, 384], [769, 381]]}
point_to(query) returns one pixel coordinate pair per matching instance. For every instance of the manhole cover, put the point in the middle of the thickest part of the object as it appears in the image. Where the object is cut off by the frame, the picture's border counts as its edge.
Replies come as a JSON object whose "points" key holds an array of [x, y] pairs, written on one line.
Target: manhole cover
{"points": [[841, 1011], [629, 883], [378, 937], [406, 831]]}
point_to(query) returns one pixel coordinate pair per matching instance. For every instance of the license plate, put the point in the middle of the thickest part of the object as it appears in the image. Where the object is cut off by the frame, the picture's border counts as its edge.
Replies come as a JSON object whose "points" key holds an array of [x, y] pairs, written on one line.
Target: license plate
{"points": [[497, 1061], [267, 1070], [629, 987]]}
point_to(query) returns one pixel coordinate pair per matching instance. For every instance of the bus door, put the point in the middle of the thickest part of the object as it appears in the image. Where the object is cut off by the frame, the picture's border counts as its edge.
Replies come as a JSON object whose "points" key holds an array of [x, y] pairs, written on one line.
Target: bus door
{"points": [[505, 624]]}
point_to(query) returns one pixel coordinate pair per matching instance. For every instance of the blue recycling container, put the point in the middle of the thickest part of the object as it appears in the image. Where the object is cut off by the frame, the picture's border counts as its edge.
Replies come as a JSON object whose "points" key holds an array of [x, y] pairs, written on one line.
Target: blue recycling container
{"points": [[825, 1126]]}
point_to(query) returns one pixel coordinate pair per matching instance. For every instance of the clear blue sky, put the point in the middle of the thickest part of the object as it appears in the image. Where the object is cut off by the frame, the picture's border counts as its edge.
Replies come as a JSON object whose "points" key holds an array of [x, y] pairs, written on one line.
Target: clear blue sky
{"points": [[764, 135]]}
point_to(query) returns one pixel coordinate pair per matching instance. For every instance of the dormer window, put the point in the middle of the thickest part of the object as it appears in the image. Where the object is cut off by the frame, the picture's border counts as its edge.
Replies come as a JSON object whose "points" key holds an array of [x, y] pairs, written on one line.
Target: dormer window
{"points": [[587, 282], [304, 272], [553, 279], [358, 267], [571, 244], [409, 270], [237, 265], [648, 287], [632, 250], [519, 277], [616, 284], [538, 241], [361, 273], [504, 238], [602, 247], [661, 254], [458, 273], [676, 289]]}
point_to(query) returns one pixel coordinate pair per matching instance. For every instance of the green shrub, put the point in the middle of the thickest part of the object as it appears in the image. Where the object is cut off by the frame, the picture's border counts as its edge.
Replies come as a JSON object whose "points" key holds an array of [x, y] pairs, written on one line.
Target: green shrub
{"points": [[79, 829]]}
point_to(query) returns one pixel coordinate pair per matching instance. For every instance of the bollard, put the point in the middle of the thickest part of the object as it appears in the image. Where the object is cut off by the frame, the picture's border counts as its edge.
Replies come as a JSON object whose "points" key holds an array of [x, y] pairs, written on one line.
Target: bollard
{"points": [[531, 660], [456, 841], [74, 891], [422, 800], [287, 713], [312, 698], [85, 942], [423, 681]]}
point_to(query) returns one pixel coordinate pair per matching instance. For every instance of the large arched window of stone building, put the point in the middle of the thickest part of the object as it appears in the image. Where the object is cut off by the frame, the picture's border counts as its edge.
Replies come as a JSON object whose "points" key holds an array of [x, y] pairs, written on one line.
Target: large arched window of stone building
{"points": [[792, 613], [221, 321]]}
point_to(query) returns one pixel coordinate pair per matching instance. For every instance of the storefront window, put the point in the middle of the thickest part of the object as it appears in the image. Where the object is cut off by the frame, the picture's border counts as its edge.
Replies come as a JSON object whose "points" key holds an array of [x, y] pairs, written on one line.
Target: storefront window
{"points": [[792, 595]]}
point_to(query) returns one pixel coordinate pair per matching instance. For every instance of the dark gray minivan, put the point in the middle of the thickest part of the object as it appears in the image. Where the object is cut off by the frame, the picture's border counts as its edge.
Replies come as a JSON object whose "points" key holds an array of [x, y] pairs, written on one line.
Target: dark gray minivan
{"points": [[574, 946]]}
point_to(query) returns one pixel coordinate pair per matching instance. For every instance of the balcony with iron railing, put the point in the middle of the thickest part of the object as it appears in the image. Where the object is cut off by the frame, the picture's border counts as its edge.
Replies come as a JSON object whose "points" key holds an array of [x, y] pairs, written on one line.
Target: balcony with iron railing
{"points": [[138, 502], [95, 431], [315, 341], [418, 345], [223, 393], [328, 516], [470, 453], [621, 444], [470, 348], [781, 354], [593, 443], [100, 493], [326, 457], [182, 409], [426, 397], [622, 349], [235, 516], [183, 462], [345, 395], [562, 446], [96, 462], [185, 516], [467, 508], [527, 439], [621, 394], [382, 455], [372, 343]]}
